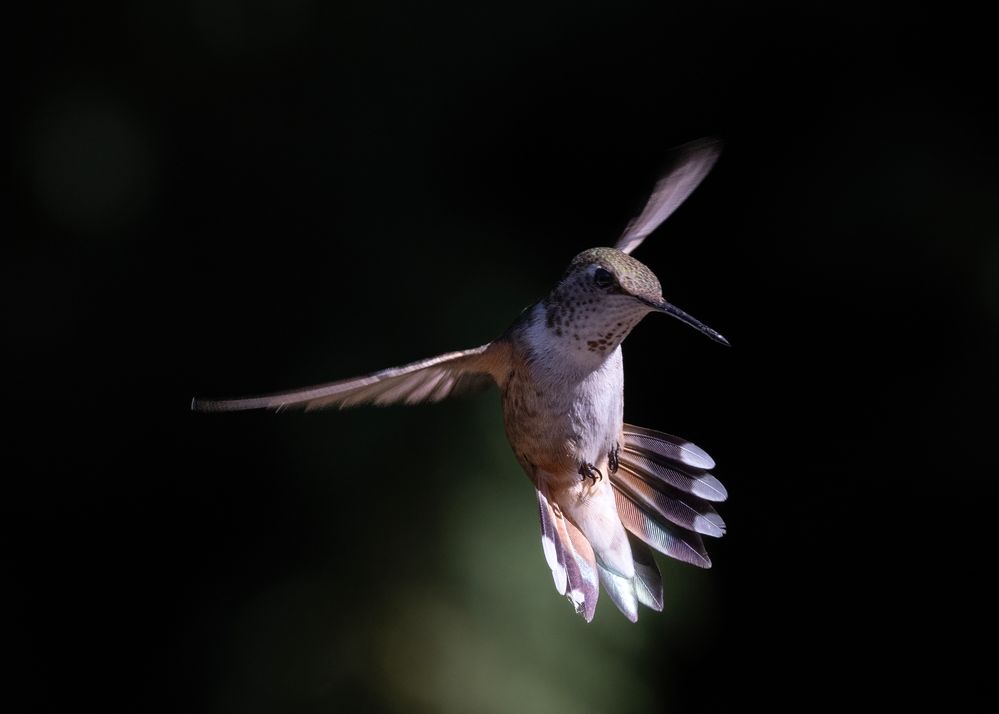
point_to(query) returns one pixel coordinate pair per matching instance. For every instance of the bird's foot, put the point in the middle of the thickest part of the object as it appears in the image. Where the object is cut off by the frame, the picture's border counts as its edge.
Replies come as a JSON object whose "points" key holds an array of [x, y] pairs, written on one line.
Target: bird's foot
{"points": [[613, 459], [591, 472]]}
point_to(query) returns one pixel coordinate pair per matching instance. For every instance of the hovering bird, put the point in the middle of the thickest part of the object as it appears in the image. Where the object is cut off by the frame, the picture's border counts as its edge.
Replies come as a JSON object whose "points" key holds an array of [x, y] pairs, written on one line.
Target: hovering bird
{"points": [[608, 492]]}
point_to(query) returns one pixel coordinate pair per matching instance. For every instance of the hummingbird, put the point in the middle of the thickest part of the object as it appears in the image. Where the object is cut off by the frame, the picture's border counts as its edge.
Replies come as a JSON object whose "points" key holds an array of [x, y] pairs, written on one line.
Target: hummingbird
{"points": [[608, 492]]}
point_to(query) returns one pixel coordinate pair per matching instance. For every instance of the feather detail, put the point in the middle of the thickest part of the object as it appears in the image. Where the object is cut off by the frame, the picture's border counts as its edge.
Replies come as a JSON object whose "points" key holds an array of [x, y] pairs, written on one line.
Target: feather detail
{"points": [[570, 558], [551, 544], [621, 590], [691, 163], [702, 485], [586, 589], [663, 536], [666, 502], [648, 579], [656, 456], [428, 380], [668, 446]]}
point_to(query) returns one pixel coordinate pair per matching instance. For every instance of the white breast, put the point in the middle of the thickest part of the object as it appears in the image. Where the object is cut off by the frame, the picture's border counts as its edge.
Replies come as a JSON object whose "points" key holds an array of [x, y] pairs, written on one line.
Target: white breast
{"points": [[597, 409], [585, 389]]}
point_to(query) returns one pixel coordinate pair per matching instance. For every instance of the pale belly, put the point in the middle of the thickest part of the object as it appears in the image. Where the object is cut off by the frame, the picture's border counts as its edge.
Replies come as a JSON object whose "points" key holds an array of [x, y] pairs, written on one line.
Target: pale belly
{"points": [[555, 425]]}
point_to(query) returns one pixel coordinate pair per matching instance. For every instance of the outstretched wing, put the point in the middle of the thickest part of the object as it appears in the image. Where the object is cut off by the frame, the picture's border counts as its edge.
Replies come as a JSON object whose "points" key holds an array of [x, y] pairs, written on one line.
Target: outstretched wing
{"points": [[428, 380], [691, 163]]}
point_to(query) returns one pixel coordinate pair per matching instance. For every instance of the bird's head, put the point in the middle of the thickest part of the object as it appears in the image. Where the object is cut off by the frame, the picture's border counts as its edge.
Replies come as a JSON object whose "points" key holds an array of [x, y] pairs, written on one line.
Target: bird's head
{"points": [[603, 294]]}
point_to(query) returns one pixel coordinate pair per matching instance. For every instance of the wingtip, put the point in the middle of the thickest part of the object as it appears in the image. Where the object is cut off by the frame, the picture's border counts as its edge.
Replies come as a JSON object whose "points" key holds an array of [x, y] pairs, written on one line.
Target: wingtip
{"points": [[704, 143], [204, 405]]}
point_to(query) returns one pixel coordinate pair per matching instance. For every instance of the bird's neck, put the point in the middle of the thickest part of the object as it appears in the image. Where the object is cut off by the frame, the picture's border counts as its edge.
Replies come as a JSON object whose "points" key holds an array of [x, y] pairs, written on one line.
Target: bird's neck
{"points": [[574, 338]]}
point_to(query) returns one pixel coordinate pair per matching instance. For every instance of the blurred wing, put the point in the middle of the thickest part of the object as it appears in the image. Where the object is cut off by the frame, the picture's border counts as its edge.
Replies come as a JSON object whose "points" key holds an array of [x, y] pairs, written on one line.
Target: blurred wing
{"points": [[691, 164], [428, 380]]}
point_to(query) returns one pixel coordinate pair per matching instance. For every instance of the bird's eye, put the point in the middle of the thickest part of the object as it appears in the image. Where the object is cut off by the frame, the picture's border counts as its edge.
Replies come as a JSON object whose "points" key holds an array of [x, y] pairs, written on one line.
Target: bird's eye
{"points": [[603, 278]]}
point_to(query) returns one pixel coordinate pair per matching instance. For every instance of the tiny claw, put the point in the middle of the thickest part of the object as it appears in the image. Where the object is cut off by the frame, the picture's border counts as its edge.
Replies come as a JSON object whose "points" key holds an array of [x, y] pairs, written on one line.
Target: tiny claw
{"points": [[613, 459], [588, 471]]}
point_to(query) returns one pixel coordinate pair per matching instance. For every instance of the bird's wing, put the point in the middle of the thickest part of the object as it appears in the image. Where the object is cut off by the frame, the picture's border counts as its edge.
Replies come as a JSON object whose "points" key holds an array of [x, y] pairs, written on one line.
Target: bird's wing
{"points": [[691, 163], [428, 380], [570, 558]]}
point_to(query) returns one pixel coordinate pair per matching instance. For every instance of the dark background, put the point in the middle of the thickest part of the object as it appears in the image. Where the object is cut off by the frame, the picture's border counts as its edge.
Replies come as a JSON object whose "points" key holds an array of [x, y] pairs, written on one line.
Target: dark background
{"points": [[223, 198]]}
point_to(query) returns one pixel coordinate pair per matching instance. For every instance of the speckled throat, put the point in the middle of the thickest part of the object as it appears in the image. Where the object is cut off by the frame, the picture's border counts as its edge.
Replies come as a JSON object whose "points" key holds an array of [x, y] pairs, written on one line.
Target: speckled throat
{"points": [[587, 325], [582, 318]]}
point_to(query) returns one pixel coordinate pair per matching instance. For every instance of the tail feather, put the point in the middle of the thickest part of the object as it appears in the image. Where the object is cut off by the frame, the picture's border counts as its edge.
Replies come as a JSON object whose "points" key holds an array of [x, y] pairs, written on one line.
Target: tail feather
{"points": [[621, 590], [648, 579], [672, 448], [702, 485], [665, 537], [663, 496], [586, 589], [678, 463], [666, 502], [551, 545], [570, 558]]}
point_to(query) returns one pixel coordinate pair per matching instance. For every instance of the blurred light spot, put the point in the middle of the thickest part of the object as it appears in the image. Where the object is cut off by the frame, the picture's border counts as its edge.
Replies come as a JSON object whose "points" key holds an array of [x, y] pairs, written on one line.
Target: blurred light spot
{"points": [[491, 634], [91, 165]]}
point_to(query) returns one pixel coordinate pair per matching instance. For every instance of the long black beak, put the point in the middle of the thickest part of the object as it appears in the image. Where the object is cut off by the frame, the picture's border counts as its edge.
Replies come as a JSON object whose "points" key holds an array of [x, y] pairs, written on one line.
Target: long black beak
{"points": [[680, 315]]}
